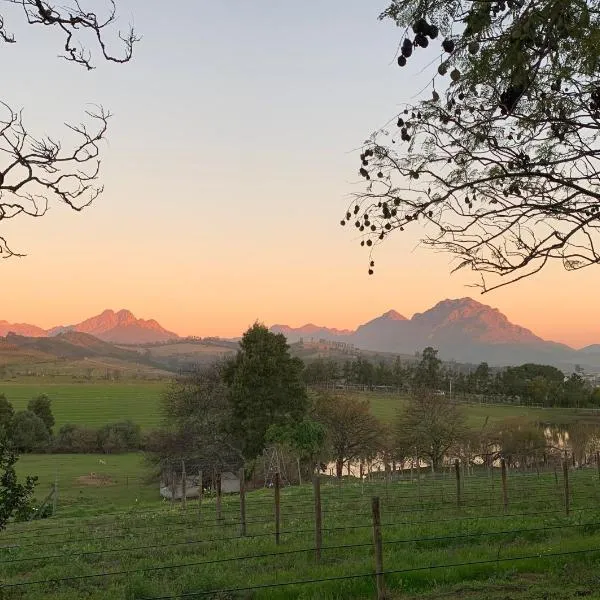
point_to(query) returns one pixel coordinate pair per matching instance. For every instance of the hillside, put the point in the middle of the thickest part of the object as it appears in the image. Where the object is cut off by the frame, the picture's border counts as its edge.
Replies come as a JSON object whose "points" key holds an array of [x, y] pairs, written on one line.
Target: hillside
{"points": [[72, 353], [121, 327], [462, 329]]}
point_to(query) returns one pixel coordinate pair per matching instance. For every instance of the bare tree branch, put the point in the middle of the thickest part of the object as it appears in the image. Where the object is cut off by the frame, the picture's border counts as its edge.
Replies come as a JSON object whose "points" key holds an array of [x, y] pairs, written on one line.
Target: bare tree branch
{"points": [[36, 171]]}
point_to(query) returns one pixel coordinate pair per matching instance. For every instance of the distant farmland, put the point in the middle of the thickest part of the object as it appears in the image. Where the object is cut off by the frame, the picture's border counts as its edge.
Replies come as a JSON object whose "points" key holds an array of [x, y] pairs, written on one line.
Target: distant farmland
{"points": [[93, 404], [99, 403]]}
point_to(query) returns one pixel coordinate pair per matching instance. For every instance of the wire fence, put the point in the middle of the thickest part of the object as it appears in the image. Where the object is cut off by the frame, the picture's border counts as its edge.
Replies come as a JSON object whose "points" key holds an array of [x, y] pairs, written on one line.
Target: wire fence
{"points": [[419, 521]]}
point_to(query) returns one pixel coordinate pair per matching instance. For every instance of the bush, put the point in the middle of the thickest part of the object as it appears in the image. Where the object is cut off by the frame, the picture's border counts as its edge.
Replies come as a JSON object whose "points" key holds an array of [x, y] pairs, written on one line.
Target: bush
{"points": [[76, 439], [119, 437], [29, 432]]}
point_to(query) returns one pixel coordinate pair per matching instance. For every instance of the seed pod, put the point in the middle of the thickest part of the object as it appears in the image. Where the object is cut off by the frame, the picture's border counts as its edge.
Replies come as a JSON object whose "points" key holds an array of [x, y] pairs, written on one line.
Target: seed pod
{"points": [[421, 40], [473, 47], [448, 46], [401, 61], [455, 75]]}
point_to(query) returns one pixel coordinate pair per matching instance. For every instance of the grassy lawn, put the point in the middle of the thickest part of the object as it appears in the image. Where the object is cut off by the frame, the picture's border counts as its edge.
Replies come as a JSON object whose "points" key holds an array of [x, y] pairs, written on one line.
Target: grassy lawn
{"points": [[93, 404], [157, 551], [385, 407], [87, 482]]}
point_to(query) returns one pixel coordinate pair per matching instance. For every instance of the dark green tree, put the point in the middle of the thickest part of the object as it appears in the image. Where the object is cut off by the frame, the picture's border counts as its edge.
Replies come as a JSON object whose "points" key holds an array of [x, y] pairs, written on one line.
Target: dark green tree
{"points": [[497, 162], [28, 432], [265, 388], [305, 440], [15, 497], [7, 413], [428, 373], [42, 407]]}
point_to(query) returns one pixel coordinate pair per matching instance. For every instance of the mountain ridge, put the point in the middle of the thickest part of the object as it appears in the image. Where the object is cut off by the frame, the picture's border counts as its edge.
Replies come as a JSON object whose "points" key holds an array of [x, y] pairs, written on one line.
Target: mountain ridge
{"points": [[121, 327], [462, 329]]}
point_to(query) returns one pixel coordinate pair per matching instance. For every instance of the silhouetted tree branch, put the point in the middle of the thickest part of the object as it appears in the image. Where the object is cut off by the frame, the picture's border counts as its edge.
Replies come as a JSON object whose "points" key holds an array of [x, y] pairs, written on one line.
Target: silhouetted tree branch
{"points": [[35, 171], [499, 166]]}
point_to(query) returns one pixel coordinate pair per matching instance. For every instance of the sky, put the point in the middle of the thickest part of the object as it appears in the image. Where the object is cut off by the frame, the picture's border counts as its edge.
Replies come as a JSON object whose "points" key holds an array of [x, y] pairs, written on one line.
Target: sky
{"points": [[230, 160]]}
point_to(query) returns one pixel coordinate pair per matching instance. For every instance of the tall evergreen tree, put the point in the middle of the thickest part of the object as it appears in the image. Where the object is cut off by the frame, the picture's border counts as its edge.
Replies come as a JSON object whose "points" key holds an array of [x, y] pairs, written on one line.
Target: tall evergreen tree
{"points": [[265, 388]]}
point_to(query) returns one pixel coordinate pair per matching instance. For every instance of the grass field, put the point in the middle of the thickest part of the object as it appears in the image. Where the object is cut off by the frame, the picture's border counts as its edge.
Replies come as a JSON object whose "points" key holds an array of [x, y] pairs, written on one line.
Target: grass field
{"points": [[99, 403], [386, 406], [533, 550], [93, 404], [90, 481]]}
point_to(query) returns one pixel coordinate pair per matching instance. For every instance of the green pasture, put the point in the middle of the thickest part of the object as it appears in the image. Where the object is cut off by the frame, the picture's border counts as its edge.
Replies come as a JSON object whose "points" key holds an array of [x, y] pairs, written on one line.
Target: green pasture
{"points": [[91, 482], [98, 403], [386, 406], [93, 404], [156, 550]]}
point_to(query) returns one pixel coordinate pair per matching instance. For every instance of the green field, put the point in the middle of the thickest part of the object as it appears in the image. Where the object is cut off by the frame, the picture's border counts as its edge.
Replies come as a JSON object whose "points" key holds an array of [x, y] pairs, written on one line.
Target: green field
{"points": [[93, 404], [97, 482], [386, 406], [159, 551], [99, 403]]}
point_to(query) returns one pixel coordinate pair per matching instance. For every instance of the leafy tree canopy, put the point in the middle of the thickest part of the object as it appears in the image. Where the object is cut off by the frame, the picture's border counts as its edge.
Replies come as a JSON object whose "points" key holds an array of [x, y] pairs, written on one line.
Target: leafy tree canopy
{"points": [[42, 407], [265, 388], [29, 432]]}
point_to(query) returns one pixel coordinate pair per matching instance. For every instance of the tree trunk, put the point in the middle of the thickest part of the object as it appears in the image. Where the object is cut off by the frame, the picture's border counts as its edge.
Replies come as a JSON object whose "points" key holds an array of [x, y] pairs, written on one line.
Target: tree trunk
{"points": [[339, 467]]}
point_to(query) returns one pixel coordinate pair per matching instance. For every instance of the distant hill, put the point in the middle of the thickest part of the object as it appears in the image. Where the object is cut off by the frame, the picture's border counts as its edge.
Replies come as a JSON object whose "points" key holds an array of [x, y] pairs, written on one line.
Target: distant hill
{"points": [[463, 330], [311, 331], [70, 345], [21, 329], [117, 327]]}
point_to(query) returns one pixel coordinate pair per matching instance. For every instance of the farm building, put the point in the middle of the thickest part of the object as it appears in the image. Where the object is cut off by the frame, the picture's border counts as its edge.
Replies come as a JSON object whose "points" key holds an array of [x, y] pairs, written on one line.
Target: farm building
{"points": [[230, 484]]}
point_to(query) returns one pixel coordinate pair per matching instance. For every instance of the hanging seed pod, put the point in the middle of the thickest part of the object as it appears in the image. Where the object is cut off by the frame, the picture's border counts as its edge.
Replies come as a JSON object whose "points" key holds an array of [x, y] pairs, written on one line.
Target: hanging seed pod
{"points": [[448, 46]]}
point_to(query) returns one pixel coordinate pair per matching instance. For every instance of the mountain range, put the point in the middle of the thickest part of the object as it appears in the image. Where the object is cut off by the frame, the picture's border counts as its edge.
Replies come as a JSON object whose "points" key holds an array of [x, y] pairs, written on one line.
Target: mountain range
{"points": [[461, 329], [120, 327]]}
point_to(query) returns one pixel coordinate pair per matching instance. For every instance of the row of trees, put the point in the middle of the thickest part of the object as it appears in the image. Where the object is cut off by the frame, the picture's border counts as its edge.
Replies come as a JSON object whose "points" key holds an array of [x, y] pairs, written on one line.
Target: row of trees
{"points": [[226, 416], [27, 430], [529, 383], [31, 430]]}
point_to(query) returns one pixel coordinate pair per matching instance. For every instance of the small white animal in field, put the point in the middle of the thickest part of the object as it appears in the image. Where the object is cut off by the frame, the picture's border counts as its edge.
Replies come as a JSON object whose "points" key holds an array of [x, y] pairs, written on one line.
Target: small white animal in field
{"points": [[102, 462]]}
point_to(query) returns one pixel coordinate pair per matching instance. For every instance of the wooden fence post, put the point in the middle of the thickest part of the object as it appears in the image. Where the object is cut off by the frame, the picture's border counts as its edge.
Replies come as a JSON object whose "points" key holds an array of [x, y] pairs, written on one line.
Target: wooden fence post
{"points": [[55, 495], [242, 477], [566, 482], [173, 488], [183, 486], [218, 499], [504, 486], [277, 506], [200, 491], [457, 469], [378, 548], [598, 463], [318, 517]]}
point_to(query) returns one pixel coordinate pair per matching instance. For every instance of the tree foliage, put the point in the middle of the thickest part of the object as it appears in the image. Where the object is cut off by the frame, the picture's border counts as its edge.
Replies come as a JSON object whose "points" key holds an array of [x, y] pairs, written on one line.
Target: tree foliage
{"points": [[35, 170], [29, 432], [15, 497], [42, 407], [197, 414], [352, 431], [265, 388], [429, 426], [498, 164]]}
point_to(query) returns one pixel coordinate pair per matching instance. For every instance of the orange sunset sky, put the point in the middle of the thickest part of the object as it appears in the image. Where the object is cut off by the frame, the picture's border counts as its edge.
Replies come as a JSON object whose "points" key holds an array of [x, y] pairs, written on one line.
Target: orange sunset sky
{"points": [[228, 167]]}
